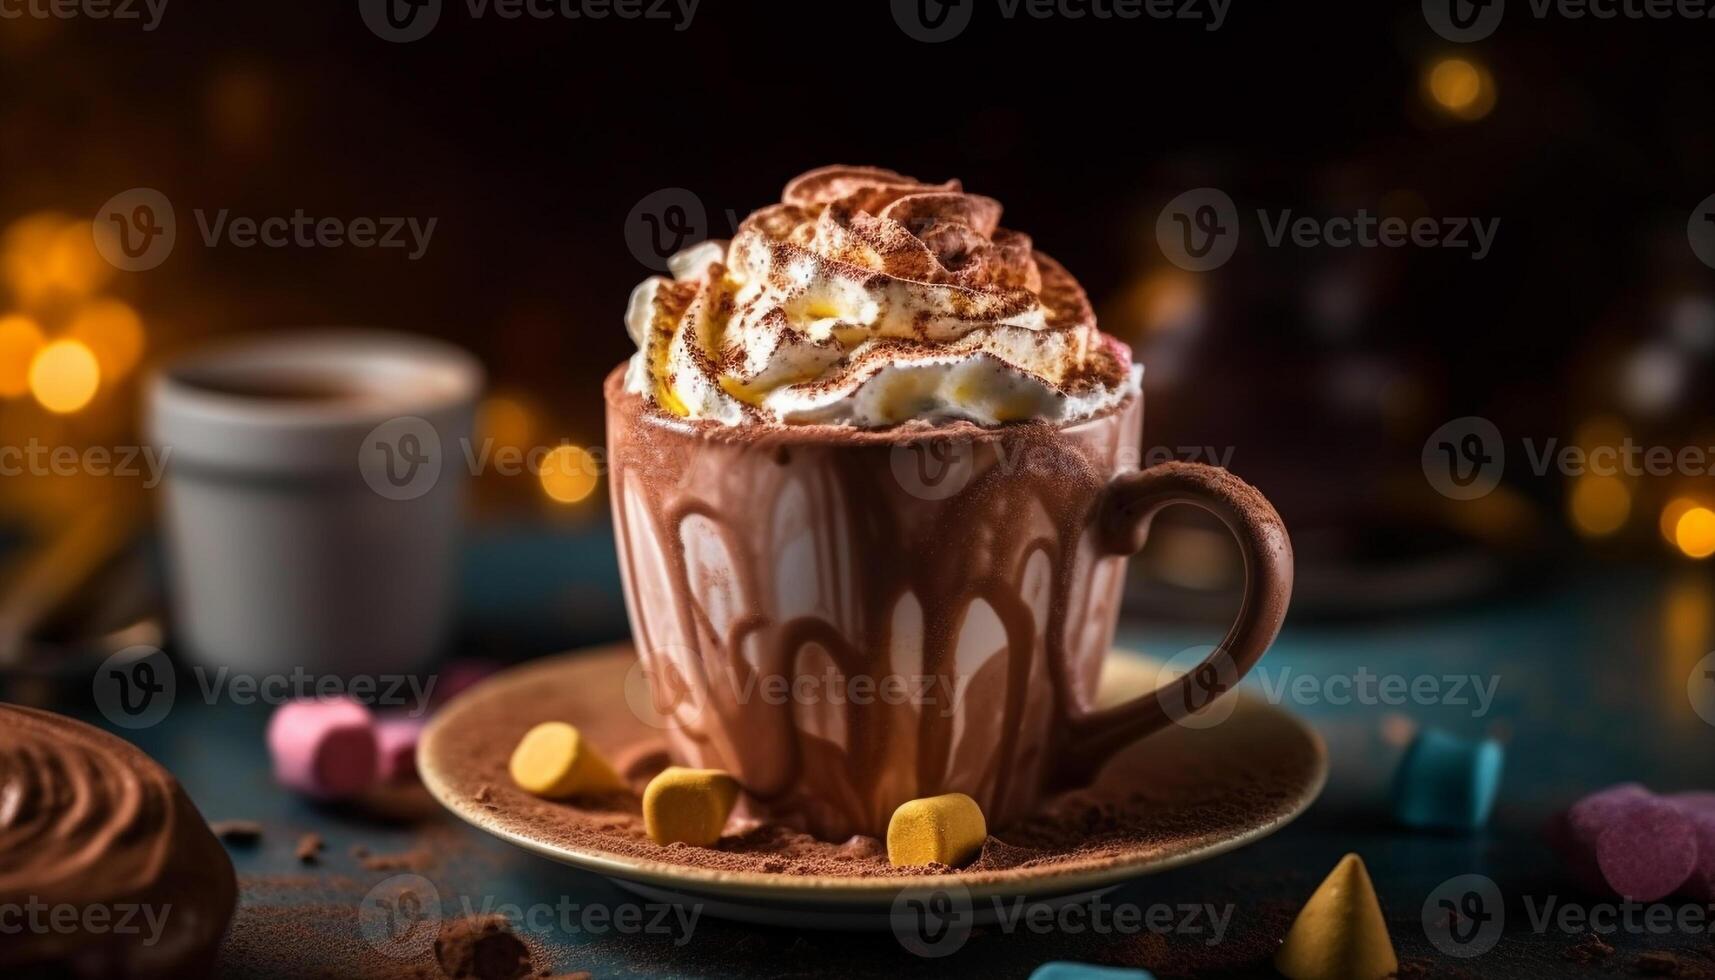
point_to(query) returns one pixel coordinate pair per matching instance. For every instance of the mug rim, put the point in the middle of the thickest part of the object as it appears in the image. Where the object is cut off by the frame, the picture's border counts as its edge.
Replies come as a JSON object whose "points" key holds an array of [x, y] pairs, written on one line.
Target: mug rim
{"points": [[418, 381], [914, 432], [174, 388]]}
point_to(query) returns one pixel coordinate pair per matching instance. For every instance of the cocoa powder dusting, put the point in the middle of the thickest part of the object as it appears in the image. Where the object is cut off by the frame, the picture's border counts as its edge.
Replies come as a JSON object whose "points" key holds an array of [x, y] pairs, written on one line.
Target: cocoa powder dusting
{"points": [[416, 859], [1178, 791], [481, 947]]}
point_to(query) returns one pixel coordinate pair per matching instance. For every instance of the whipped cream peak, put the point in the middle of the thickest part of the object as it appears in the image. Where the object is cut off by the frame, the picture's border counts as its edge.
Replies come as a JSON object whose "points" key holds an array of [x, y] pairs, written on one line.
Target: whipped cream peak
{"points": [[869, 298]]}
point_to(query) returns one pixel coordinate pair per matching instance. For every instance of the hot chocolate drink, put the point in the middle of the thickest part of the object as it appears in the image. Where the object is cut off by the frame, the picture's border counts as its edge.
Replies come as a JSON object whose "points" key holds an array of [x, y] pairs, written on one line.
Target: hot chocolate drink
{"points": [[874, 478]]}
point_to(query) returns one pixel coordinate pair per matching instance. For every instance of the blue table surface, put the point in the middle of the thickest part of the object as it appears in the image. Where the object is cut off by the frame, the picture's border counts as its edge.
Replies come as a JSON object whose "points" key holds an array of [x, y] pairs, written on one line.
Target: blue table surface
{"points": [[1590, 687]]}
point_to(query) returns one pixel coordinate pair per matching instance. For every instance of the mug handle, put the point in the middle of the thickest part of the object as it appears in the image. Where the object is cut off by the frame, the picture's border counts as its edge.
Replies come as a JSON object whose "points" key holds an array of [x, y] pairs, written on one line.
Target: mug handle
{"points": [[1122, 520]]}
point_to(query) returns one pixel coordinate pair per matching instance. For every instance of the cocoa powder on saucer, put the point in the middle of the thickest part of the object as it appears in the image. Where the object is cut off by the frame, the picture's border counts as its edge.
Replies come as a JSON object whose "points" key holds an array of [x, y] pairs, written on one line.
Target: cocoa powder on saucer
{"points": [[1147, 801]]}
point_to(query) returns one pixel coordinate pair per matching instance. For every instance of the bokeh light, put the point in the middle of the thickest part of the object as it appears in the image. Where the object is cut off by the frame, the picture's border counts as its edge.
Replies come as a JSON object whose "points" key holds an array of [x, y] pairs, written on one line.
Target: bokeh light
{"points": [[64, 376], [1598, 431], [1599, 505], [20, 339], [1670, 515], [506, 419], [113, 332], [239, 107], [1460, 88], [1694, 533], [47, 255], [1165, 300], [569, 474]]}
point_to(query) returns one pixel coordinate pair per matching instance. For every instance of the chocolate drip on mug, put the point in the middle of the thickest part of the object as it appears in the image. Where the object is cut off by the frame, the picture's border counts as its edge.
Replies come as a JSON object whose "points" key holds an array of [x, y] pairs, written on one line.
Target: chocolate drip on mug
{"points": [[972, 619]]}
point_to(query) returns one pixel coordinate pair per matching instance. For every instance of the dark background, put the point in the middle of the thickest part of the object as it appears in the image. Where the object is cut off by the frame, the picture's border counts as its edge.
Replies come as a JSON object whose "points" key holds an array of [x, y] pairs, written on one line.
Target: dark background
{"points": [[1322, 370]]}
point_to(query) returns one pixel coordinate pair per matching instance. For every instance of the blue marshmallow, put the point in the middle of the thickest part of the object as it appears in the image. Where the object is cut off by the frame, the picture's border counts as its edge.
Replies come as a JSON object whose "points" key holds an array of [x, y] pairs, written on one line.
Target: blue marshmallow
{"points": [[1446, 782], [1067, 970]]}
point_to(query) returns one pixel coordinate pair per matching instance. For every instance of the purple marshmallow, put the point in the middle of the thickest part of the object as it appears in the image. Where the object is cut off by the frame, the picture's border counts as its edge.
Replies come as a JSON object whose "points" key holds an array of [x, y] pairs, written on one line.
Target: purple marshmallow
{"points": [[1699, 808], [1628, 841]]}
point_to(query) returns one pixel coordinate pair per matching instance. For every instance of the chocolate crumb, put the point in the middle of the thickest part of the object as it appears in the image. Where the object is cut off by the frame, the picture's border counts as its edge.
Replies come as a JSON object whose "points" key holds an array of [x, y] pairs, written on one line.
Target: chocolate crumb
{"points": [[482, 947], [1589, 949], [413, 860], [359, 851], [310, 848], [237, 831], [1660, 964], [860, 847], [1411, 970]]}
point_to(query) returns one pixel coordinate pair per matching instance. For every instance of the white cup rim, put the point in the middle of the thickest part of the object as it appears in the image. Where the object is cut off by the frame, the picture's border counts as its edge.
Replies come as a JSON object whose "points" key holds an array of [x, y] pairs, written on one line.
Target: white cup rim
{"points": [[383, 361], [193, 408]]}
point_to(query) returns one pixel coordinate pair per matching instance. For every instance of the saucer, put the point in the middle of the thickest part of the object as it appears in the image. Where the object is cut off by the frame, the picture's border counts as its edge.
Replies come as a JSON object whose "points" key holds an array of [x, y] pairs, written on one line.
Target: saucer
{"points": [[1205, 791]]}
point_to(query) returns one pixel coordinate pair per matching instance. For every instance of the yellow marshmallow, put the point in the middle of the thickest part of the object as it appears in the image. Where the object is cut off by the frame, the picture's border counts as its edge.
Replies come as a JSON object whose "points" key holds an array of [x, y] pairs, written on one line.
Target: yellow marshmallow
{"points": [[946, 830], [688, 806], [1340, 934], [554, 760]]}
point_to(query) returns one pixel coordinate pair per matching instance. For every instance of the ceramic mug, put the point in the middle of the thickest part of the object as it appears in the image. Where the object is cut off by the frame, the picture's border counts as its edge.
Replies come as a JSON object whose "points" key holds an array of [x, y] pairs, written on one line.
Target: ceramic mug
{"points": [[313, 495], [847, 620]]}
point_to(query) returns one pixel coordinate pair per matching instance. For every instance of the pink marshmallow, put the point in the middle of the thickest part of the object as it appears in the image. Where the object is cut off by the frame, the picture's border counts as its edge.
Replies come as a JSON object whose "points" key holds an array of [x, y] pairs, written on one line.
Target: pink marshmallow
{"points": [[396, 740], [324, 748]]}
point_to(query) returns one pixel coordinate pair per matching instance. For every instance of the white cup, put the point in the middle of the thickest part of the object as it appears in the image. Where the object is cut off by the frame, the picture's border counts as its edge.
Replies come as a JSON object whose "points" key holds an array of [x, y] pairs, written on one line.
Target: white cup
{"points": [[313, 499]]}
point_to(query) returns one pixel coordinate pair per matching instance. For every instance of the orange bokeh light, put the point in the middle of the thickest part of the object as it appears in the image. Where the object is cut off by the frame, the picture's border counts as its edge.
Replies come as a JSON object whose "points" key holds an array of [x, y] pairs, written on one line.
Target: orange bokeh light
{"points": [[1599, 505], [64, 376], [1461, 88], [112, 331], [20, 339], [1694, 533], [569, 474], [47, 255]]}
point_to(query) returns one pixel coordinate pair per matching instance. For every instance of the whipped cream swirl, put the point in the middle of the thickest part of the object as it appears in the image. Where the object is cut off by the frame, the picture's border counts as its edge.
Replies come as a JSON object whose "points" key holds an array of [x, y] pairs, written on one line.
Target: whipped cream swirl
{"points": [[867, 298]]}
